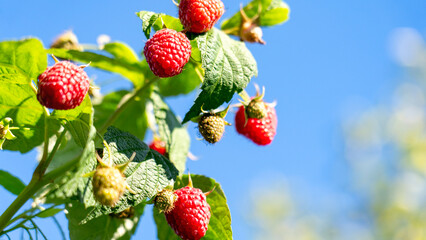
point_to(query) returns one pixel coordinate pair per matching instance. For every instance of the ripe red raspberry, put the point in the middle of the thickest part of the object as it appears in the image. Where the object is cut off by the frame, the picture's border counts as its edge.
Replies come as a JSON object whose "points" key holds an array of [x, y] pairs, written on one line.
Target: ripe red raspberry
{"points": [[158, 145], [191, 214], [62, 86], [167, 52], [200, 15], [260, 131]]}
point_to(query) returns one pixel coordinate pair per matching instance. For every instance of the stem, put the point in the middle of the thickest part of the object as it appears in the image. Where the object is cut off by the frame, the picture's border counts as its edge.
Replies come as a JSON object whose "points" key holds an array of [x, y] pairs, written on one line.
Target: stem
{"points": [[59, 227], [37, 181], [31, 189], [42, 166], [245, 96], [22, 198], [39, 171], [125, 101]]}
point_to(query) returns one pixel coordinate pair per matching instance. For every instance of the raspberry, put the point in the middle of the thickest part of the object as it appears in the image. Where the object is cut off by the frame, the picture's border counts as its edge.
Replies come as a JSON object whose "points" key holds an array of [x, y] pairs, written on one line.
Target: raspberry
{"points": [[191, 214], [260, 131], [211, 127], [167, 52], [67, 40], [108, 185], [199, 16], [158, 145], [62, 86]]}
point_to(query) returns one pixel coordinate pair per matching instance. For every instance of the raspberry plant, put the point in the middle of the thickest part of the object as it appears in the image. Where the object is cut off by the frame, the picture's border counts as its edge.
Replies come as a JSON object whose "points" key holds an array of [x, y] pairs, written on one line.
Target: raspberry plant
{"points": [[108, 132]]}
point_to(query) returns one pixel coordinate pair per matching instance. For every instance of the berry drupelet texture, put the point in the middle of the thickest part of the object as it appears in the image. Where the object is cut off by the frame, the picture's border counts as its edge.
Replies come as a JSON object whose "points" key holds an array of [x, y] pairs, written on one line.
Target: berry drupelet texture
{"points": [[108, 185], [199, 16], [191, 214], [62, 86], [167, 52], [211, 127]]}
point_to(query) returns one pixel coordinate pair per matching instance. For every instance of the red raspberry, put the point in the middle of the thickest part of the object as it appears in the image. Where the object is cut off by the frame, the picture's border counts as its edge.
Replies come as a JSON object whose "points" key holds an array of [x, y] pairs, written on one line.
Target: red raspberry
{"points": [[200, 15], [159, 146], [167, 52], [260, 131], [191, 214], [62, 86]]}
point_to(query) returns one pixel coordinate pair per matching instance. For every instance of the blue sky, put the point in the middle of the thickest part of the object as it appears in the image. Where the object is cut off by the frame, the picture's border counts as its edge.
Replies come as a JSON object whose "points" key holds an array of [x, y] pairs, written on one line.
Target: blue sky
{"points": [[329, 54]]}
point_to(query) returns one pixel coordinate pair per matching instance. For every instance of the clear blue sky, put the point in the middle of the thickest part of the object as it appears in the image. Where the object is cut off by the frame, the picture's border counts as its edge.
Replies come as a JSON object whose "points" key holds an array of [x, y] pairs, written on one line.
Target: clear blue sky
{"points": [[327, 54]]}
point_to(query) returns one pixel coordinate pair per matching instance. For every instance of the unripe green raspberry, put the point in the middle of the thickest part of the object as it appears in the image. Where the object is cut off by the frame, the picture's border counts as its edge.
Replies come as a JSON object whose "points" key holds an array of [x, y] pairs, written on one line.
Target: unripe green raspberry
{"points": [[108, 185], [211, 127], [256, 109], [165, 200]]}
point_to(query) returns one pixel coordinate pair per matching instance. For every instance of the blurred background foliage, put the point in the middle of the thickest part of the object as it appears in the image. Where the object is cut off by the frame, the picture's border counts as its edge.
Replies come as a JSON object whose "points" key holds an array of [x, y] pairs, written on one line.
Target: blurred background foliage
{"points": [[385, 155]]}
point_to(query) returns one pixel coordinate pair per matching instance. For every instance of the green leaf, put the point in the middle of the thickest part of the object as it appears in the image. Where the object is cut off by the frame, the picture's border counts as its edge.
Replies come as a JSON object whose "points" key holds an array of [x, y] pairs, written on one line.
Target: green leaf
{"points": [[220, 222], [11, 183], [132, 71], [172, 132], [72, 184], [272, 12], [19, 103], [103, 228], [228, 66], [132, 119], [78, 120], [148, 173], [148, 20], [21, 62], [276, 12], [157, 21], [49, 212], [171, 23], [183, 83], [121, 52]]}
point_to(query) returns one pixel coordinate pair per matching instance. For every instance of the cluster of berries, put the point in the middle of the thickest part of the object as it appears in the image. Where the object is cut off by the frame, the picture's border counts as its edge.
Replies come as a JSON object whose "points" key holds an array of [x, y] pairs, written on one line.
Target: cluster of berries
{"points": [[167, 51], [64, 86], [254, 119]]}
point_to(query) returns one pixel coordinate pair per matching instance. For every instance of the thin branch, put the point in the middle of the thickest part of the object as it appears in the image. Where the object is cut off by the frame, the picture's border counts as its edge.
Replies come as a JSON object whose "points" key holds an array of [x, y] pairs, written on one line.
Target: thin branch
{"points": [[44, 164], [59, 227], [125, 101]]}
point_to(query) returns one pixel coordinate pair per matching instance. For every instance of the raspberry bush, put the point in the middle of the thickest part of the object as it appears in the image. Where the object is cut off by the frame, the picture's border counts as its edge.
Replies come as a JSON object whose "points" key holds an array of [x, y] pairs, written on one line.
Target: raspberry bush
{"points": [[95, 162]]}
